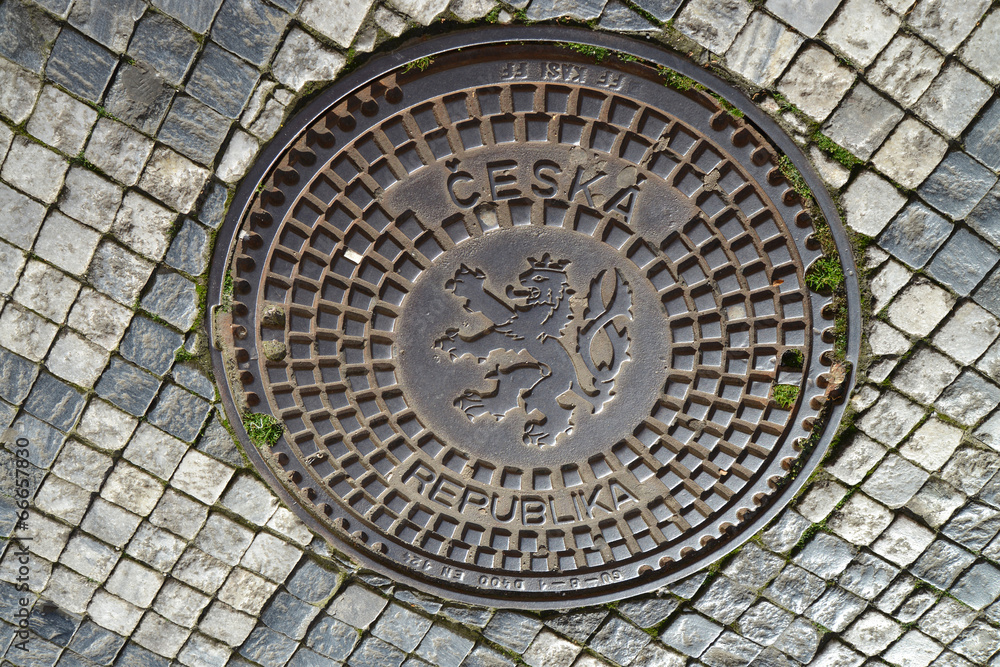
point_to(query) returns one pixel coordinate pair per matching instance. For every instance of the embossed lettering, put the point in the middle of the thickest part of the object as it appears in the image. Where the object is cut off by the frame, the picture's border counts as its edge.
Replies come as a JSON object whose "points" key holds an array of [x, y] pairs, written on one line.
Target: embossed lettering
{"points": [[498, 175], [514, 70], [542, 167], [583, 186]]}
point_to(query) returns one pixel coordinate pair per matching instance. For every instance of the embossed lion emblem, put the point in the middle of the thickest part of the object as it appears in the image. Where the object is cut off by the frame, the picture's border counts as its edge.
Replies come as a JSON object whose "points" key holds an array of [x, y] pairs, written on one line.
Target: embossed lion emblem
{"points": [[536, 355]]}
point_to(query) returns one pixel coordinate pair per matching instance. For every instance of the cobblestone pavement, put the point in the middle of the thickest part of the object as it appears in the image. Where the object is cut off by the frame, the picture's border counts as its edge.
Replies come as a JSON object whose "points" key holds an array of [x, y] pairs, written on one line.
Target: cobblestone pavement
{"points": [[124, 127]]}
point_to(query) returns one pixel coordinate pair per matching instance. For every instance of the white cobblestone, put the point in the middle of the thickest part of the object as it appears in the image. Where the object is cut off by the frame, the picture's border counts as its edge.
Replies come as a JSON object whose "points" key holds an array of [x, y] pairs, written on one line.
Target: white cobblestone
{"points": [[870, 202], [920, 307], [34, 169], [337, 19], [90, 198], [968, 333], [46, 290], [99, 318], [242, 149], [26, 333], [77, 360], [114, 613], [143, 225], [816, 82], [18, 91], [61, 121], [713, 24], [910, 153], [118, 150], [201, 476], [173, 179], [303, 59], [861, 29], [134, 583], [155, 451], [763, 49]]}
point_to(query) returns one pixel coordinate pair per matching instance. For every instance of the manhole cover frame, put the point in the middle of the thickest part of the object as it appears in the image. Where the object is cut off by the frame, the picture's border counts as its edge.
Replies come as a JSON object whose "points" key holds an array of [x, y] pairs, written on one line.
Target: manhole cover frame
{"points": [[267, 161]]}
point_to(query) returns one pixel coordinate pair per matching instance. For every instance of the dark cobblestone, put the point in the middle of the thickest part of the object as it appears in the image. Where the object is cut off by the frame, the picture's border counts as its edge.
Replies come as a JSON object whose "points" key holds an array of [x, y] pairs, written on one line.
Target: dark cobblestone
{"points": [[312, 582], [17, 374], [81, 65], [289, 615], [94, 642], [332, 638], [513, 630], [963, 262], [45, 440], [192, 377], [163, 43], [222, 81], [127, 386], [374, 651], [139, 97], [194, 130], [217, 442], [956, 185], [54, 401], [179, 413], [268, 647], [212, 209], [150, 345], [174, 298], [110, 22], [249, 28], [983, 217], [195, 15], [983, 140], [691, 633], [578, 625], [649, 612], [134, 655], [915, 234], [25, 33], [445, 647], [619, 640]]}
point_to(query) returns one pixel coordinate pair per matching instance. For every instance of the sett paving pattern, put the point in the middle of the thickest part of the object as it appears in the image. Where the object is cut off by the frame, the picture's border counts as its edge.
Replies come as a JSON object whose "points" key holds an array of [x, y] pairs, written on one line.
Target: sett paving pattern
{"points": [[124, 126]]}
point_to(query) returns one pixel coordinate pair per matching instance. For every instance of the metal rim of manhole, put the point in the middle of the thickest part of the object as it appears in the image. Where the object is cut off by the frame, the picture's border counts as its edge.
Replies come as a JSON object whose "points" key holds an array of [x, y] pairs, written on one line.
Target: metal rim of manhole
{"points": [[521, 315]]}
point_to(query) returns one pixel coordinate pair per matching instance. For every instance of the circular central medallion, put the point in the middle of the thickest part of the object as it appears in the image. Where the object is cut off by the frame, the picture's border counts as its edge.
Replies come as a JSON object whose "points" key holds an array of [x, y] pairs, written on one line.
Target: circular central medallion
{"points": [[522, 317]]}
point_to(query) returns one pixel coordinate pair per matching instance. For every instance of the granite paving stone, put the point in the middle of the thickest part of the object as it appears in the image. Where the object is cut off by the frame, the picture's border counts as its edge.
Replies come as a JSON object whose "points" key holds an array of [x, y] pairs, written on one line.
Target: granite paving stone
{"points": [[194, 129], [71, 592], [870, 202], [289, 525], [374, 651], [179, 514], [240, 154], [179, 603], [249, 28], [81, 65], [111, 524], [18, 91], [90, 198], [26, 333], [200, 570], [202, 477], [953, 99], [820, 499], [226, 624], [837, 654], [914, 648], [339, 20], [25, 34], [920, 307], [224, 539], [289, 615], [795, 589], [144, 226], [268, 647], [963, 262], [970, 398], [946, 620], [661, 11], [619, 640], [861, 519], [714, 25], [271, 557], [127, 386], [763, 49], [331, 638], [868, 575], [644, 612], [34, 169], [807, 19], [89, 557], [82, 465], [903, 541], [945, 24], [763, 623], [303, 59], [836, 608], [222, 81], [99, 318], [799, 640], [28, 214], [983, 217], [753, 567], [863, 120], [895, 481], [45, 440], [132, 489], [942, 562], [150, 345], [246, 591], [957, 185], [691, 633], [306, 658], [970, 468], [55, 402], [571, 624], [977, 642], [216, 442], [197, 16], [118, 150], [884, 340], [66, 243], [932, 444], [134, 583], [861, 29], [61, 121], [121, 275], [968, 333], [905, 69], [910, 153], [725, 600], [445, 647], [154, 451], [312, 582], [212, 208], [160, 636], [731, 649], [250, 499], [978, 52], [164, 44], [989, 431], [988, 294], [897, 593], [173, 179], [825, 555], [890, 419]]}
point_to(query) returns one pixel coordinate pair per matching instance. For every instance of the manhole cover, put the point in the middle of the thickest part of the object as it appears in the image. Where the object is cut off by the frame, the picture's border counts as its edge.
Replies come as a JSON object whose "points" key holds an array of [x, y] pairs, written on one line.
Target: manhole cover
{"points": [[522, 316]]}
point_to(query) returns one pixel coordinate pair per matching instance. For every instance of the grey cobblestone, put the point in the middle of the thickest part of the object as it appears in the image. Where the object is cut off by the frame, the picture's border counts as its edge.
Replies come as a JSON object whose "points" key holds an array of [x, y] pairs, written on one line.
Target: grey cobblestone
{"points": [[174, 298], [163, 43], [128, 387], [691, 633], [222, 81], [18, 91], [118, 150], [864, 120], [906, 68], [944, 24], [194, 129], [25, 33], [81, 65], [963, 262], [150, 345]]}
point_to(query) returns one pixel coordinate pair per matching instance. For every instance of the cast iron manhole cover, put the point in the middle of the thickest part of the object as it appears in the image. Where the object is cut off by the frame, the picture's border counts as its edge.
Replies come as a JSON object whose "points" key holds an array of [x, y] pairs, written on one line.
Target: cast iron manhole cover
{"points": [[522, 315]]}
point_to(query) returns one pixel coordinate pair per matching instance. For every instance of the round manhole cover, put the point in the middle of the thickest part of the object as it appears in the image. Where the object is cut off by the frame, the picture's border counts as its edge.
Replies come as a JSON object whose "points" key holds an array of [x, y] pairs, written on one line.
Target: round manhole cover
{"points": [[536, 327]]}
